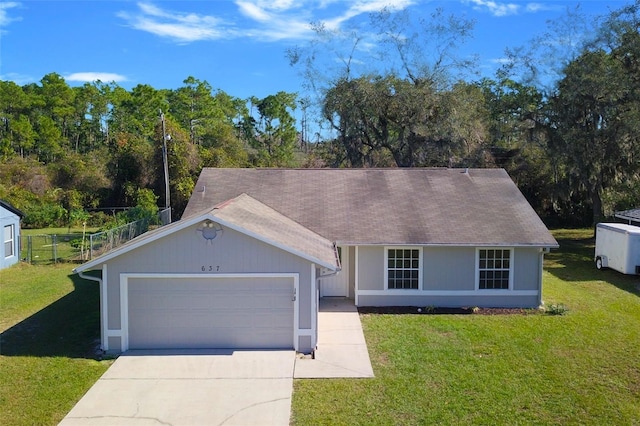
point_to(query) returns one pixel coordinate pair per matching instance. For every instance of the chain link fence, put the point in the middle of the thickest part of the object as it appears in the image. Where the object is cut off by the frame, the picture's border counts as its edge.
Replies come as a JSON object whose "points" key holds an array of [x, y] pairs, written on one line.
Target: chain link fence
{"points": [[79, 247], [103, 242], [47, 249]]}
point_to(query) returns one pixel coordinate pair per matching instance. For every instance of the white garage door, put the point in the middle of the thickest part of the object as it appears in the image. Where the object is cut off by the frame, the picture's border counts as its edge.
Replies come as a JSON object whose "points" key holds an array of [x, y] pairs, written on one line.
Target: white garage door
{"points": [[189, 313]]}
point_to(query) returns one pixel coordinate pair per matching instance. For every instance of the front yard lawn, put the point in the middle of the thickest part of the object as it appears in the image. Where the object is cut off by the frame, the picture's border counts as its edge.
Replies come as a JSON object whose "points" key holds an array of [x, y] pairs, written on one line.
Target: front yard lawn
{"points": [[49, 324], [579, 368]]}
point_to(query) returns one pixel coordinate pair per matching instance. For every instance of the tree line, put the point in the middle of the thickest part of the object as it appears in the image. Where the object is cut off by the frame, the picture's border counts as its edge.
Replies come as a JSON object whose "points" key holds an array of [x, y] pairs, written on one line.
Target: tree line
{"points": [[568, 142], [66, 149], [562, 116]]}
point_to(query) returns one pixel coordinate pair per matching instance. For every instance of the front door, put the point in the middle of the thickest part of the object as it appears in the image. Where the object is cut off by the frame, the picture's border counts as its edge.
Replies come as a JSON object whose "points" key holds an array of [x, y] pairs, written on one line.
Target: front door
{"points": [[337, 285]]}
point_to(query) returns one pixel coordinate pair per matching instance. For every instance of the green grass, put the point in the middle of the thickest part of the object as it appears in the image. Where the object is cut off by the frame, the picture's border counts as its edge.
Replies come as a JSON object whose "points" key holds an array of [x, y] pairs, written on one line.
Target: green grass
{"points": [[50, 326], [42, 251], [579, 368], [58, 231]]}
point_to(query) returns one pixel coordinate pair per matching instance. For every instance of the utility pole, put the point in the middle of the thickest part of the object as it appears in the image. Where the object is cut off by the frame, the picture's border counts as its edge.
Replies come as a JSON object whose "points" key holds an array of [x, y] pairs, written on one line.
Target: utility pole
{"points": [[165, 161], [304, 103]]}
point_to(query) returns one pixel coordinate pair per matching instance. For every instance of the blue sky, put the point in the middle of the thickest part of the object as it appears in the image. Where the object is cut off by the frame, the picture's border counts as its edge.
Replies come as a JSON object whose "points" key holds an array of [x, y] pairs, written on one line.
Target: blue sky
{"points": [[237, 46]]}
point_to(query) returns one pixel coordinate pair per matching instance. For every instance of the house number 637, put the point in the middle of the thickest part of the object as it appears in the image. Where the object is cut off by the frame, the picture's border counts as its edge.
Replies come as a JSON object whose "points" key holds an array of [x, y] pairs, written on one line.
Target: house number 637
{"points": [[210, 268]]}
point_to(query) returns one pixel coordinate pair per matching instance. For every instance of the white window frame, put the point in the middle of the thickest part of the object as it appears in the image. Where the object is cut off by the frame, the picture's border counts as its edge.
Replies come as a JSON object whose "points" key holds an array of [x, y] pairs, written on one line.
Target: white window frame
{"points": [[386, 267], [12, 240], [511, 269]]}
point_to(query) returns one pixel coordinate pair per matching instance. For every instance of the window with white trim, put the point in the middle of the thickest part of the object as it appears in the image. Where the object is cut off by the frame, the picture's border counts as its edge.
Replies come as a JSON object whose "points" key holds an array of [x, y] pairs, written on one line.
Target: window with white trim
{"points": [[403, 268], [8, 241], [494, 269]]}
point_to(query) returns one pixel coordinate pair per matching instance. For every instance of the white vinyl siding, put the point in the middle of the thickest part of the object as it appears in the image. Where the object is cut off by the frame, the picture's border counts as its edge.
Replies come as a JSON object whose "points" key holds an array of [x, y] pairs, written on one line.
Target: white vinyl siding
{"points": [[9, 241]]}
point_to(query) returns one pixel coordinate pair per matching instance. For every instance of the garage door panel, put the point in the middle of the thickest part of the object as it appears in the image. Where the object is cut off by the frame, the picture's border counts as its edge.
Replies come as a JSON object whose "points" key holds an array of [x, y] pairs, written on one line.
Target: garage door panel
{"points": [[215, 337], [201, 318], [210, 313]]}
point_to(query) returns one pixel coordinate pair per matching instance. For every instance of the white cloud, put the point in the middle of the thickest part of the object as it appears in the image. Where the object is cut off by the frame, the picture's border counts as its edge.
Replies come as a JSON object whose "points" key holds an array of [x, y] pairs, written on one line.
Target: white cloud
{"points": [[293, 30], [279, 20], [495, 8], [542, 7], [177, 30], [322, 4], [535, 7], [360, 7], [279, 5], [290, 19], [366, 46], [253, 11], [505, 9], [363, 6], [269, 20], [90, 77], [4, 16], [182, 27]]}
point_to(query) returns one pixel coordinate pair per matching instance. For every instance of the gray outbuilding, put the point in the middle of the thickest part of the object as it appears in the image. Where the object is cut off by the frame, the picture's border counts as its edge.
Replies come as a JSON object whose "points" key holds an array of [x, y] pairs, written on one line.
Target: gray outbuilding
{"points": [[10, 223]]}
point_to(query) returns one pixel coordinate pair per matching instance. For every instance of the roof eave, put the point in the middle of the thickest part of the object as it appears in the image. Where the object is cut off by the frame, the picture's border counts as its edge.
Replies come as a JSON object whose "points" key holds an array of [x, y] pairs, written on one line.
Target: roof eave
{"points": [[11, 209], [475, 244]]}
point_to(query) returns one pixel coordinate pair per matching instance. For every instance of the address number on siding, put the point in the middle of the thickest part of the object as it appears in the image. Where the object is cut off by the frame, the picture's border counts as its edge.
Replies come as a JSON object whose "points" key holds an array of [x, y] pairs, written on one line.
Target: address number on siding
{"points": [[210, 268]]}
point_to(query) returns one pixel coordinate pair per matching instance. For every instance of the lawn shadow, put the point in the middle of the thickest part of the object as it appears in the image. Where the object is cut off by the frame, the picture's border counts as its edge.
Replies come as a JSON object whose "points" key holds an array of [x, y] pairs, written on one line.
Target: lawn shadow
{"points": [[69, 327], [574, 262]]}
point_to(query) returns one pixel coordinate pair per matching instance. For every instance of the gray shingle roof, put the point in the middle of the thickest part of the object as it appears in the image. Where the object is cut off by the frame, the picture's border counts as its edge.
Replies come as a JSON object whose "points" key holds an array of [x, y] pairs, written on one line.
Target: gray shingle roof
{"points": [[251, 217], [256, 218], [386, 206]]}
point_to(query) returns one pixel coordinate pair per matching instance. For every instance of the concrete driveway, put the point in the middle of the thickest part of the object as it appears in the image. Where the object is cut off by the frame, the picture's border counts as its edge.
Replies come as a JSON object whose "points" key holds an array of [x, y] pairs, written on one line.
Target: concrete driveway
{"points": [[200, 387]]}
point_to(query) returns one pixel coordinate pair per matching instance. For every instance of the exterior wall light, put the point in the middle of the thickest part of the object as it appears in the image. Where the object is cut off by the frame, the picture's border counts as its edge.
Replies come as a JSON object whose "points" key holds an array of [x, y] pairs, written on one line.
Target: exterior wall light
{"points": [[209, 230]]}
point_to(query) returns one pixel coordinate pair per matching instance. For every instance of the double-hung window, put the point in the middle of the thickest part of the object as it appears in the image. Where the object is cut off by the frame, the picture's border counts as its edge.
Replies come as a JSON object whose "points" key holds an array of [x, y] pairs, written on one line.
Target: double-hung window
{"points": [[495, 268], [403, 268], [9, 239]]}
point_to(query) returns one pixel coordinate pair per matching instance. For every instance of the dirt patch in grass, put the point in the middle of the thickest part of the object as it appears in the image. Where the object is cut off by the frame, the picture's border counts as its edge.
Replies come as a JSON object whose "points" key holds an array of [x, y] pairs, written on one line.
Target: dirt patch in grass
{"points": [[417, 310]]}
